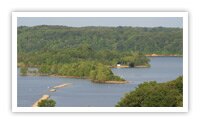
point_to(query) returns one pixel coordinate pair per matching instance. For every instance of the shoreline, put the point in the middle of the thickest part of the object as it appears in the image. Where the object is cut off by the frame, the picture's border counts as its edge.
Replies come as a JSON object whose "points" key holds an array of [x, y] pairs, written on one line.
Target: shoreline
{"points": [[122, 66], [163, 55], [54, 88], [77, 77], [106, 82], [116, 82], [61, 85], [126, 66], [142, 66], [44, 97]]}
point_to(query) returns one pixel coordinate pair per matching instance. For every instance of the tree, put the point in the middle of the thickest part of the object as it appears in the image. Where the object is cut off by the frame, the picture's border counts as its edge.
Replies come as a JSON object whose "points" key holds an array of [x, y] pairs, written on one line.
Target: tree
{"points": [[45, 69], [47, 103], [24, 70], [153, 94], [135, 59]]}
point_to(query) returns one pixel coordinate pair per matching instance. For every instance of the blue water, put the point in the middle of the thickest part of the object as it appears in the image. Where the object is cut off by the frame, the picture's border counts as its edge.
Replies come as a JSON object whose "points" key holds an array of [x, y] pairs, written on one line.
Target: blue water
{"points": [[83, 92]]}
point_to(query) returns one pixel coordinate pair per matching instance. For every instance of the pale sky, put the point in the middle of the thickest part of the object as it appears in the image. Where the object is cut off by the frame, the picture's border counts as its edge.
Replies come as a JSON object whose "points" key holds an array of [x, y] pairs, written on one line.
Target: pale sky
{"points": [[102, 21]]}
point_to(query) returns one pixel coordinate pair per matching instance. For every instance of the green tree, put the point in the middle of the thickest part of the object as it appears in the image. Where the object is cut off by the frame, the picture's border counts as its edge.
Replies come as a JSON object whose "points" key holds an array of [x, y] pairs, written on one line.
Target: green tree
{"points": [[135, 59], [23, 70], [47, 103], [93, 74], [45, 69], [153, 94]]}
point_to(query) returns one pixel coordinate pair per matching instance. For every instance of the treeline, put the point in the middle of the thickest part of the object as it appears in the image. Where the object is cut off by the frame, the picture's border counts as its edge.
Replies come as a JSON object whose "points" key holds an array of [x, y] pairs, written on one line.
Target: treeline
{"points": [[106, 57], [153, 94]]}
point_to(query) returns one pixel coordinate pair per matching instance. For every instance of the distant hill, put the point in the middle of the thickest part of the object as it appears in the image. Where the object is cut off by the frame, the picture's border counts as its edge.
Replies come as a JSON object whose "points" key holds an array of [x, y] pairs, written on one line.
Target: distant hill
{"points": [[157, 40]]}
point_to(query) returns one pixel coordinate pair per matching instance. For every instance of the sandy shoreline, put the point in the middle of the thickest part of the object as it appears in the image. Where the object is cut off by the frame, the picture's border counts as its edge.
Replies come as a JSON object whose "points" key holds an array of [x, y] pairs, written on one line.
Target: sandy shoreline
{"points": [[53, 89], [44, 97], [77, 77], [116, 82], [111, 82], [163, 55], [61, 86], [126, 66]]}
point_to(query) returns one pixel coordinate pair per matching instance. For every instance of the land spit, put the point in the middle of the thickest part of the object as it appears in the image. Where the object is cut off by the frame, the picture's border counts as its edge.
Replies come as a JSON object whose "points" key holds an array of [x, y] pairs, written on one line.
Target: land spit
{"points": [[44, 97], [53, 89], [61, 86], [116, 82]]}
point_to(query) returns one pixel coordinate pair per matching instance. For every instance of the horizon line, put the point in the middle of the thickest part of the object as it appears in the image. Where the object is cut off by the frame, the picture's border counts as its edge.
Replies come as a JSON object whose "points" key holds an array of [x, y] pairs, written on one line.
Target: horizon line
{"points": [[102, 26]]}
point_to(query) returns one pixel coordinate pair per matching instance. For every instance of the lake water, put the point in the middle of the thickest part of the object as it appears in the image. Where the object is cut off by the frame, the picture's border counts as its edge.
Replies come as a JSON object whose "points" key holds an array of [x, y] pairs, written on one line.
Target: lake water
{"points": [[83, 92]]}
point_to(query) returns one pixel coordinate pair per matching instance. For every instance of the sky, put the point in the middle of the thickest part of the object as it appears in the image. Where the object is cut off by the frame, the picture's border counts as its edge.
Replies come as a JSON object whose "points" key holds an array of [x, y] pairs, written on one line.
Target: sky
{"points": [[102, 21]]}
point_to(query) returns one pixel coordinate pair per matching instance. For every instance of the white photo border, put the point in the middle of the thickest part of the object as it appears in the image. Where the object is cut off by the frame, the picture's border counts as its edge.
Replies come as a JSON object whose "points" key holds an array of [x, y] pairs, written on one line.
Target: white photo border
{"points": [[184, 16]]}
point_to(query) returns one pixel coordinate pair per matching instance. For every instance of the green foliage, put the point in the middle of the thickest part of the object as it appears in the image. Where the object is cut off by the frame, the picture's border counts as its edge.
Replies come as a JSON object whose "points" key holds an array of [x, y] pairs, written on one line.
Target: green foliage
{"points": [[23, 70], [103, 73], [51, 45], [47, 103], [45, 69], [97, 72], [153, 94], [135, 59], [148, 40], [80, 69]]}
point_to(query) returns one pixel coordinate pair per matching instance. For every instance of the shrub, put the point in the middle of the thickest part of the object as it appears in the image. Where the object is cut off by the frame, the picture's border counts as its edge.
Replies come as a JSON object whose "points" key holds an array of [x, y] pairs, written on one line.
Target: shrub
{"points": [[23, 70], [47, 103]]}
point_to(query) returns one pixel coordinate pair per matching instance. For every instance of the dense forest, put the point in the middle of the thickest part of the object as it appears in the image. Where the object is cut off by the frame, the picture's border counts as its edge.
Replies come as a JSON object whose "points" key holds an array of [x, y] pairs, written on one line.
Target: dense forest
{"points": [[61, 44], [66, 50], [153, 94]]}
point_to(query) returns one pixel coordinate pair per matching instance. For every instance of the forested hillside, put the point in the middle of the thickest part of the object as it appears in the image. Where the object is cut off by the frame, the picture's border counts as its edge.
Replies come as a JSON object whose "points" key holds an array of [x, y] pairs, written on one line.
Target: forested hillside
{"points": [[61, 44], [147, 40], [67, 51]]}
